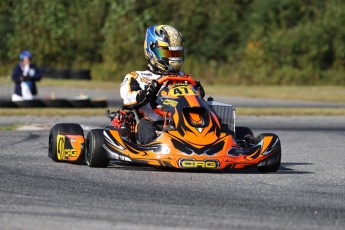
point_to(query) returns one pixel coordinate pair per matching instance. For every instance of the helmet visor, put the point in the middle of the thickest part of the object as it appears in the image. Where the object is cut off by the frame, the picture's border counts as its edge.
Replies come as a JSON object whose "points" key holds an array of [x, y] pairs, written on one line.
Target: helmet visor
{"points": [[168, 52]]}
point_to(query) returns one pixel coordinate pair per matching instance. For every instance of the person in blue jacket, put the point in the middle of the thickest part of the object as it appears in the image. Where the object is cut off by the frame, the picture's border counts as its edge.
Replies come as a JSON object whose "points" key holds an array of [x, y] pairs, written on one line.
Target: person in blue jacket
{"points": [[25, 75]]}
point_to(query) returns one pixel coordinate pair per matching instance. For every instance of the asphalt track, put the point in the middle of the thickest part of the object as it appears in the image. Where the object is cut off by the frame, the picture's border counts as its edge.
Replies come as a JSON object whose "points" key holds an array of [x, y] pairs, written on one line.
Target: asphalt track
{"points": [[307, 192]]}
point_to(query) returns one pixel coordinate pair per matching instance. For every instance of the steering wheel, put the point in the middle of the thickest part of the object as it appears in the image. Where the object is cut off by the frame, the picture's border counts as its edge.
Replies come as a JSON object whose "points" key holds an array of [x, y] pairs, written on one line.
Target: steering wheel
{"points": [[174, 79]]}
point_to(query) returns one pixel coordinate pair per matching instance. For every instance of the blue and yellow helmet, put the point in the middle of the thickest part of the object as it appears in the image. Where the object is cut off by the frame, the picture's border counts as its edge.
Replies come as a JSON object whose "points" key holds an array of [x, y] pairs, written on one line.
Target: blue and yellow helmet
{"points": [[163, 48]]}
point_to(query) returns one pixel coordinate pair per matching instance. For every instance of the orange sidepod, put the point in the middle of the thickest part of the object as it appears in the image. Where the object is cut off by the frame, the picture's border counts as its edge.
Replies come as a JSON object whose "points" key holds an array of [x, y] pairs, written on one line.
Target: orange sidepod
{"points": [[69, 147]]}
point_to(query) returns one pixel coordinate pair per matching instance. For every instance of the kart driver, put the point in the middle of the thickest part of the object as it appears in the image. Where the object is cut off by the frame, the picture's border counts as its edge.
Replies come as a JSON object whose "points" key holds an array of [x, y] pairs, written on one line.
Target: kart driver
{"points": [[164, 52]]}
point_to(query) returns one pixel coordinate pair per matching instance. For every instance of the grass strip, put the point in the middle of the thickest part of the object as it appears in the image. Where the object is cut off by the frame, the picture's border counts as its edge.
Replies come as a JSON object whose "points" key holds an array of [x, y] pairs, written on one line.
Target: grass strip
{"points": [[303, 93], [240, 111], [9, 127], [249, 111]]}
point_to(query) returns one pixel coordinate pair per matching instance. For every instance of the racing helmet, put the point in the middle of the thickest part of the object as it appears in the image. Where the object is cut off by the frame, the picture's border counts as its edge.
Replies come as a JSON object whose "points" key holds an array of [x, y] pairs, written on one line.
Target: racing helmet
{"points": [[163, 48]]}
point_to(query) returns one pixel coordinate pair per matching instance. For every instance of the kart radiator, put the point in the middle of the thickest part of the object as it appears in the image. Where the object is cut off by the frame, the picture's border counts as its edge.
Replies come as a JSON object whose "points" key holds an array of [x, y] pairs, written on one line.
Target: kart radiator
{"points": [[225, 112]]}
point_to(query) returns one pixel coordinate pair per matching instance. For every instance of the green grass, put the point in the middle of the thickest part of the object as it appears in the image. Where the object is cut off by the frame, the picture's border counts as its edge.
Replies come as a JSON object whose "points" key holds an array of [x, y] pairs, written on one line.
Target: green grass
{"points": [[52, 112], [240, 111], [298, 93], [302, 93], [9, 127]]}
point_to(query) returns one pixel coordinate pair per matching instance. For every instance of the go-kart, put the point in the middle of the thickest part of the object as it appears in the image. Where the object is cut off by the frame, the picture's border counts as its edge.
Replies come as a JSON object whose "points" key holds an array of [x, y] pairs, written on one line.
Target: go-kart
{"points": [[195, 135]]}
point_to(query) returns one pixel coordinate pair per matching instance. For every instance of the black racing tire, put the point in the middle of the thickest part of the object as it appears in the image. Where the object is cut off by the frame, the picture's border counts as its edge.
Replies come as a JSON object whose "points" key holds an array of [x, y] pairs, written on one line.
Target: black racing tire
{"points": [[81, 103], [81, 74], [57, 103], [95, 155], [242, 131], [271, 164], [99, 103], [35, 103], [47, 72], [60, 73], [63, 128], [4, 103]]}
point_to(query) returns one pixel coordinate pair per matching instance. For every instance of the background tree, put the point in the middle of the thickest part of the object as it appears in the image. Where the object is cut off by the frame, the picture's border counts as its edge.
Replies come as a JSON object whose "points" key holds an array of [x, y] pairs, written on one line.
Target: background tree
{"points": [[234, 41]]}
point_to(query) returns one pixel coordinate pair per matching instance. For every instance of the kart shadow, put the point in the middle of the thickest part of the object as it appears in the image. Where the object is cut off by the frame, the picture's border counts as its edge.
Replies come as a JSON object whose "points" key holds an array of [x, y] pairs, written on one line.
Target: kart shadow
{"points": [[285, 168]]}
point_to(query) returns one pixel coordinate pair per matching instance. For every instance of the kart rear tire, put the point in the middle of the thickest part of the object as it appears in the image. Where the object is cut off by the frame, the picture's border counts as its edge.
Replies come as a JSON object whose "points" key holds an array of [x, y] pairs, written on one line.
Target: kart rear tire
{"points": [[95, 155], [272, 164], [242, 131], [64, 128]]}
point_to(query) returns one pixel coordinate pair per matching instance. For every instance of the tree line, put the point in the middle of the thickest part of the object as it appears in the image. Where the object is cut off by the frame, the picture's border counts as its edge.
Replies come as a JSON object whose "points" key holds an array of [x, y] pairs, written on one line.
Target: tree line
{"points": [[226, 41]]}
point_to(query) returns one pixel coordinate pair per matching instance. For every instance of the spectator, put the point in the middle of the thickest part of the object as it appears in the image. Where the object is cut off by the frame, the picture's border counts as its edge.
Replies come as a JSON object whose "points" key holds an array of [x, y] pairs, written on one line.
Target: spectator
{"points": [[25, 75]]}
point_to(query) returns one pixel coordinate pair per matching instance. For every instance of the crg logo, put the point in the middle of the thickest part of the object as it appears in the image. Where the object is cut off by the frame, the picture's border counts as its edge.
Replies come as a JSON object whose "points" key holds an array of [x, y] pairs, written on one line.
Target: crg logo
{"points": [[63, 153], [203, 164]]}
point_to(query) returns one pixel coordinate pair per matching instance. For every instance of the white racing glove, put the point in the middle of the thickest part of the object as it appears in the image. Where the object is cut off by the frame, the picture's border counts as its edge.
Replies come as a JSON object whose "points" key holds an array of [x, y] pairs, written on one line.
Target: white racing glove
{"points": [[26, 70], [32, 72]]}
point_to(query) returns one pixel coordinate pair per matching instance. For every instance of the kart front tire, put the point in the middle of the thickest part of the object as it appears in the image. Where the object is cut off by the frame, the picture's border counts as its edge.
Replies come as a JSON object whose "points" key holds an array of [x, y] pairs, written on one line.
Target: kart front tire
{"points": [[95, 155], [271, 164], [63, 128]]}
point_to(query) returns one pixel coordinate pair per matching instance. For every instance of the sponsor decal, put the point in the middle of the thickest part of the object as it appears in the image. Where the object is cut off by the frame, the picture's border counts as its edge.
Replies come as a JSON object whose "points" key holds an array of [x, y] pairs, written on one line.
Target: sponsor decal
{"points": [[63, 153], [146, 74], [170, 102], [202, 164], [180, 84], [182, 90], [146, 80]]}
